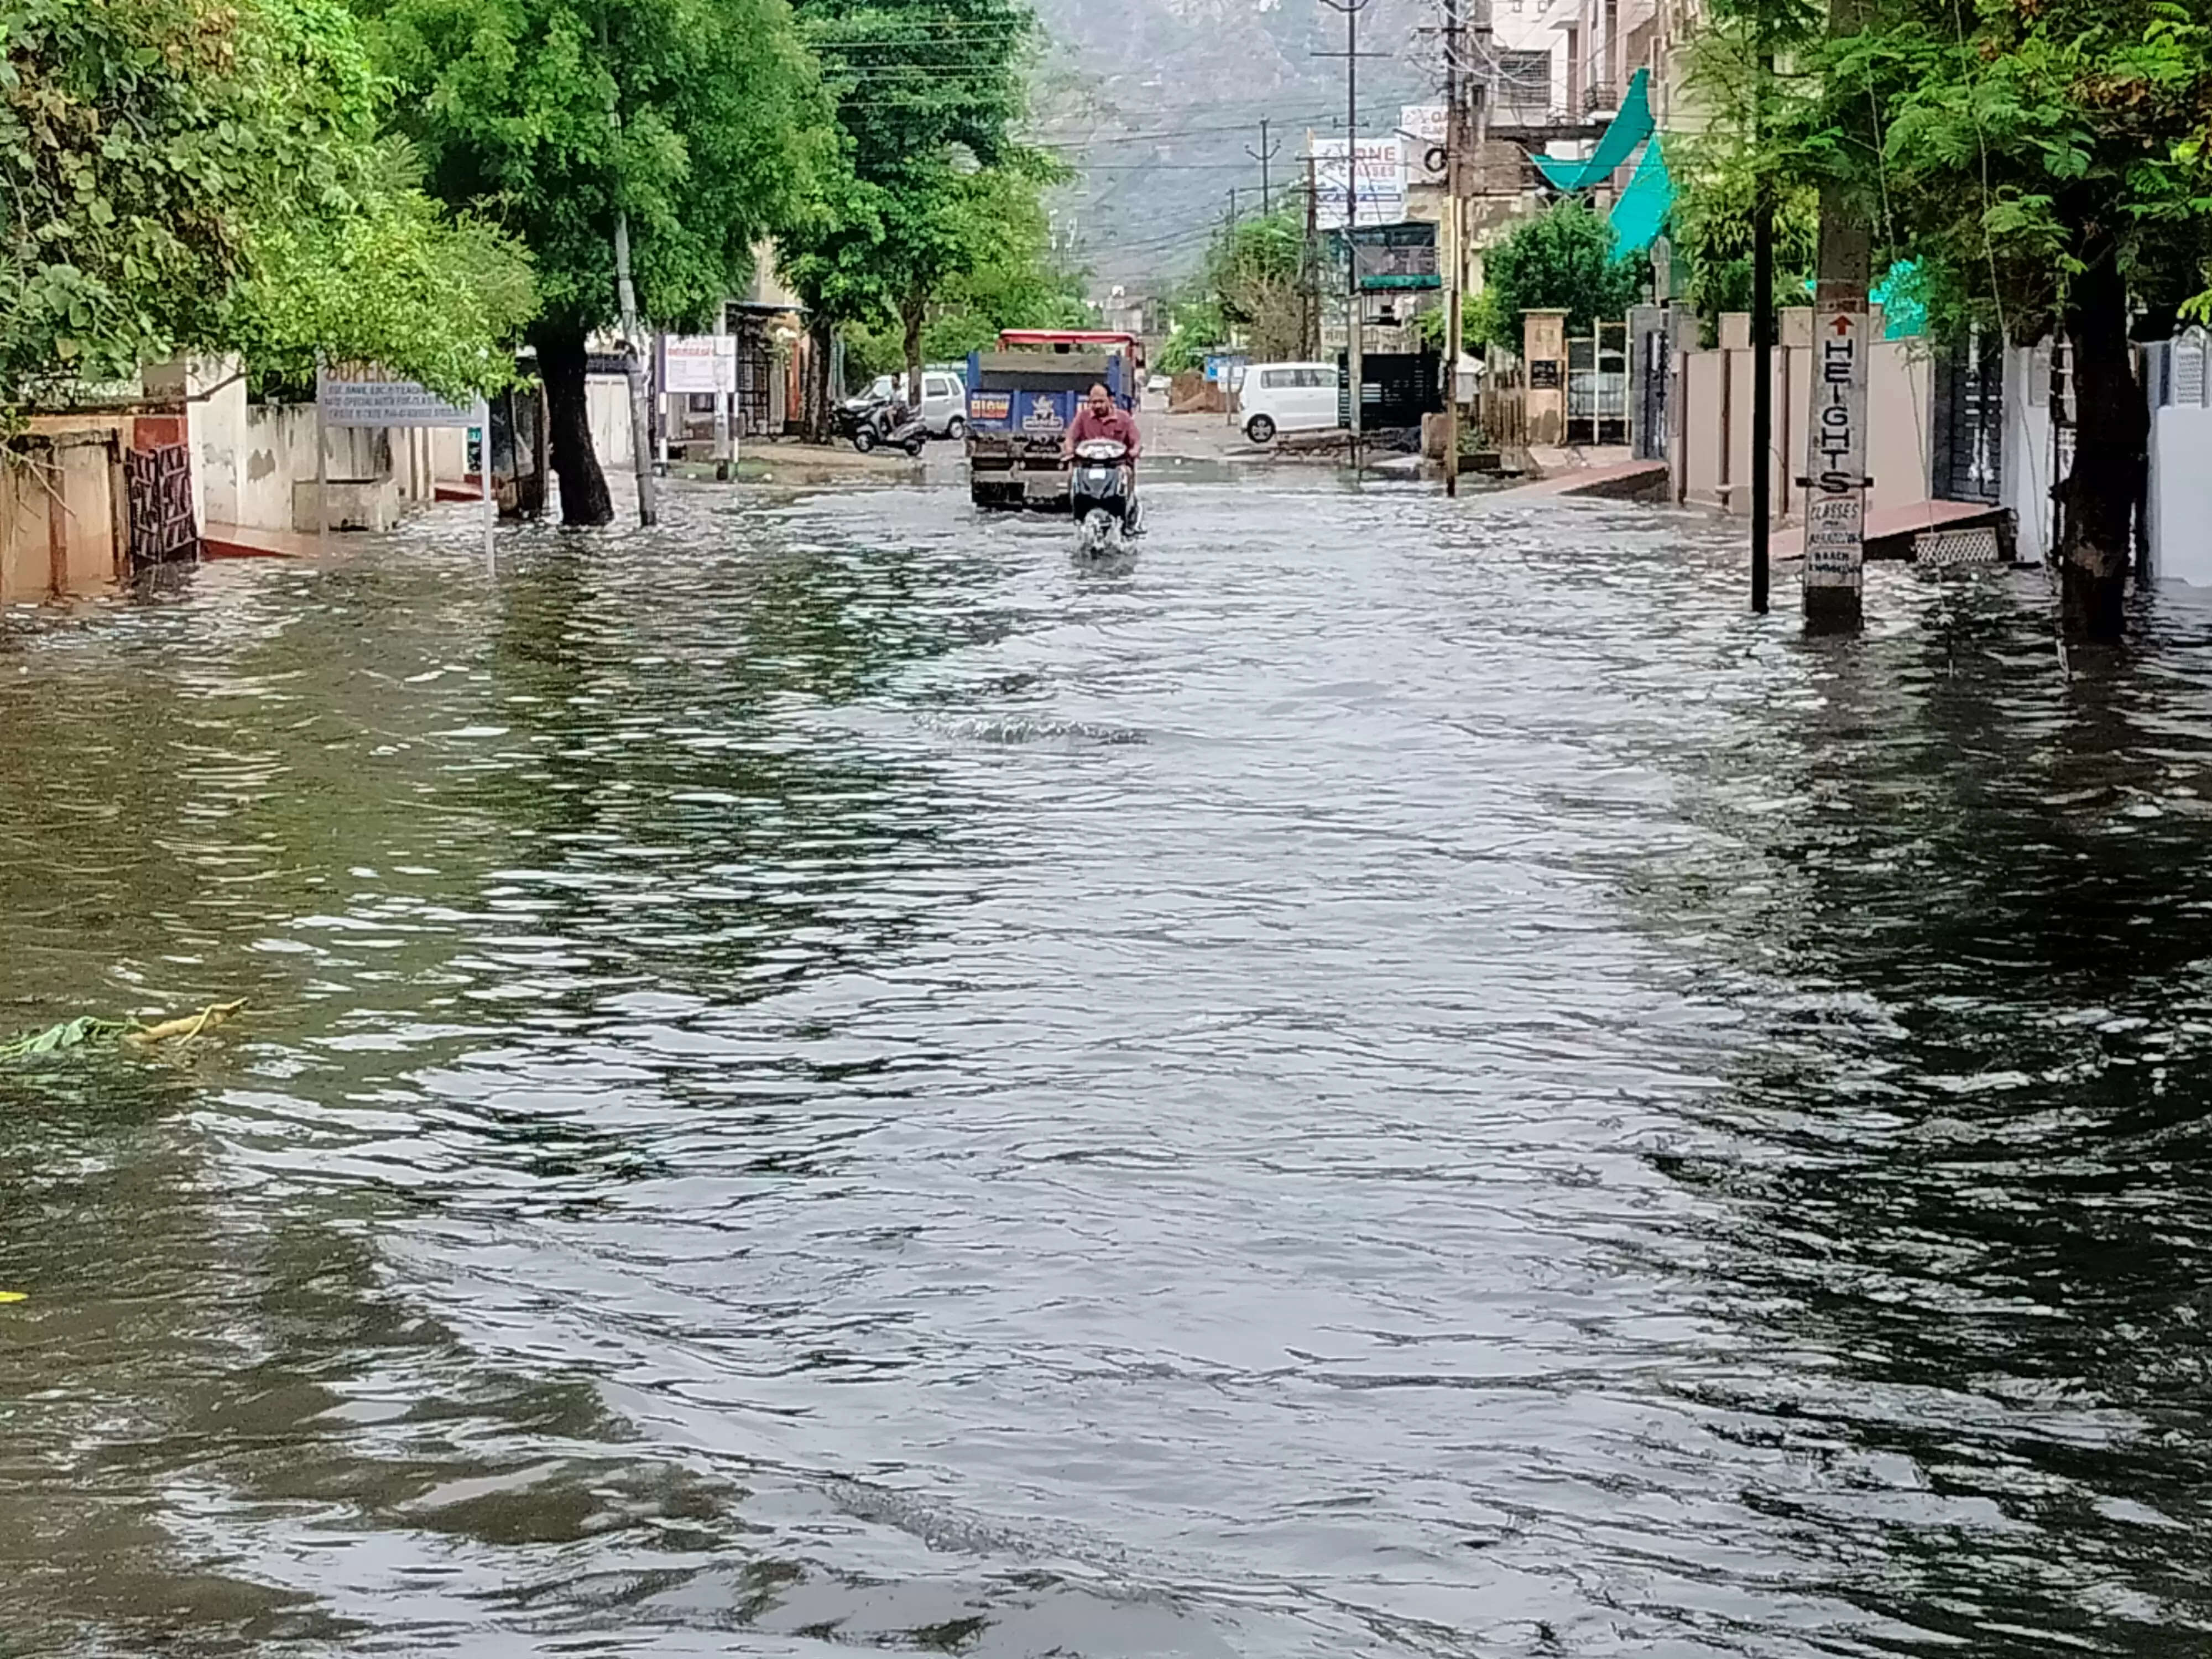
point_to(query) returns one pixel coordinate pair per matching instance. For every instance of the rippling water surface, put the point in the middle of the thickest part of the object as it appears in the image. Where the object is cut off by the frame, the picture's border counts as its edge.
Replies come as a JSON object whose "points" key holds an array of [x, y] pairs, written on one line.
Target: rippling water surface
{"points": [[1382, 1078]]}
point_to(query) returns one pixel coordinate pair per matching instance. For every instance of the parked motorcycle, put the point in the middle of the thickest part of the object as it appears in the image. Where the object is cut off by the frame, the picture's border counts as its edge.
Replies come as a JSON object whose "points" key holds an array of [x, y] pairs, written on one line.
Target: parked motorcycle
{"points": [[849, 416], [1100, 497], [894, 426]]}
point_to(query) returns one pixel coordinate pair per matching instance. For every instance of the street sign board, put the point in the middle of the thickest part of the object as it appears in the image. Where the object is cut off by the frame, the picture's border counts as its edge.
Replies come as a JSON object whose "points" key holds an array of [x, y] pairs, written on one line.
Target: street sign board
{"points": [[1836, 449], [360, 394], [699, 363], [1378, 172]]}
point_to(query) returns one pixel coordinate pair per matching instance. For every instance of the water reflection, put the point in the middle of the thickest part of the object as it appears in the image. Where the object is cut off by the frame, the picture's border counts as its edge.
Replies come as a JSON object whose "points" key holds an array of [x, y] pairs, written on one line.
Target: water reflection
{"points": [[1376, 1078]]}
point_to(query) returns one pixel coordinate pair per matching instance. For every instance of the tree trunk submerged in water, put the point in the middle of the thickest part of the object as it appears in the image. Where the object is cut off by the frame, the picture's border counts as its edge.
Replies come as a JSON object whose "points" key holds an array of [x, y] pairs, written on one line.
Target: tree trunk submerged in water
{"points": [[910, 313], [816, 387], [2110, 437], [560, 360]]}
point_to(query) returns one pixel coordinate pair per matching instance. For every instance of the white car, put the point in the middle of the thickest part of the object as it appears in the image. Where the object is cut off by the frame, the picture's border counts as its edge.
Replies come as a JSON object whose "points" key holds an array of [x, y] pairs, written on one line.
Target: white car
{"points": [[1158, 384], [944, 401], [1288, 397]]}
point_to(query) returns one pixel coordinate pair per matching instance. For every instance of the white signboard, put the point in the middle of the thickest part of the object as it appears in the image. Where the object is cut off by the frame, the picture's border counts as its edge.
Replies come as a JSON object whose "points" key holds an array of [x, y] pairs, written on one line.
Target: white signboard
{"points": [[1378, 173], [700, 362], [1835, 510], [1424, 128], [356, 394]]}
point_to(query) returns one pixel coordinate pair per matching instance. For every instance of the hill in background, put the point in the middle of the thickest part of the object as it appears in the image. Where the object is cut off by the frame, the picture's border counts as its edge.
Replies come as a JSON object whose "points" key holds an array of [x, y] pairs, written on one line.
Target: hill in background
{"points": [[1154, 103]]}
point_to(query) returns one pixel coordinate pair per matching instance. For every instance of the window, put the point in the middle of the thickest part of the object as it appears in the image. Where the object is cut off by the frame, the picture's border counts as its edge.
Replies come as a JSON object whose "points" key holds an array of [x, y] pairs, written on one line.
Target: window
{"points": [[1317, 377], [1273, 380]]}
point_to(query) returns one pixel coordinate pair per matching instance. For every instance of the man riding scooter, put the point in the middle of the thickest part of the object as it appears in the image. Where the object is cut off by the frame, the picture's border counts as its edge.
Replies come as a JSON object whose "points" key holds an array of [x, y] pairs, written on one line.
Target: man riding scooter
{"points": [[1099, 418]]}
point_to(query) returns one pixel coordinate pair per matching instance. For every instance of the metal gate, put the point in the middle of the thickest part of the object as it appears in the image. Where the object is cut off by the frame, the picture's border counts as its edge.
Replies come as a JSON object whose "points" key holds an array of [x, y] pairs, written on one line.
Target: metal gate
{"points": [[1969, 458], [1654, 371], [1597, 386], [1400, 386], [158, 485]]}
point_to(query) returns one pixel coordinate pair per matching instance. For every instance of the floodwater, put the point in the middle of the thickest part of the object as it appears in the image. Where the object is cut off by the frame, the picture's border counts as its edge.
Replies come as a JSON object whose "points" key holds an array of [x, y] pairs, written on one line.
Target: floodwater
{"points": [[1382, 1077]]}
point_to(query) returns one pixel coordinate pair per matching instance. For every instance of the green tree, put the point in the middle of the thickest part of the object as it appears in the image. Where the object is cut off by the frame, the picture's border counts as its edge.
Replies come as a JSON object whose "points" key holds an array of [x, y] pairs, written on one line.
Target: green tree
{"points": [[1255, 272], [2047, 164], [396, 281], [701, 120], [176, 167], [1015, 281], [1562, 259], [929, 93], [1715, 195]]}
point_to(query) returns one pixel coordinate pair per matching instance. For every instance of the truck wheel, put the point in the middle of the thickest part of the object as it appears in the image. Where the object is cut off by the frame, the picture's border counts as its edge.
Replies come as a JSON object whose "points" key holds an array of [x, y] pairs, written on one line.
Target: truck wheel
{"points": [[1260, 429]]}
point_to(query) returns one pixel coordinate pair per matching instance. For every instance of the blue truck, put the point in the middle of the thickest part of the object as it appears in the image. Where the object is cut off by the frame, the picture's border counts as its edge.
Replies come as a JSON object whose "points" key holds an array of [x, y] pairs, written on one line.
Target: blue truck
{"points": [[1021, 398]]}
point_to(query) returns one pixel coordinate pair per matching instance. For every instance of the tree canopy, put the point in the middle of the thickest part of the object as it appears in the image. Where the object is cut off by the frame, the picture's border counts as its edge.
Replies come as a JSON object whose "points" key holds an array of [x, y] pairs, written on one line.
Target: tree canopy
{"points": [[1562, 259], [927, 95], [700, 120], [182, 171], [1251, 290]]}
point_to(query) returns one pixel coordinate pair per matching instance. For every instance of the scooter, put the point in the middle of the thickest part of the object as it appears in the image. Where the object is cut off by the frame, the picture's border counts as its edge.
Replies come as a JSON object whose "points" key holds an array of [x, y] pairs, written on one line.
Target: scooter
{"points": [[1099, 497], [849, 416], [894, 425]]}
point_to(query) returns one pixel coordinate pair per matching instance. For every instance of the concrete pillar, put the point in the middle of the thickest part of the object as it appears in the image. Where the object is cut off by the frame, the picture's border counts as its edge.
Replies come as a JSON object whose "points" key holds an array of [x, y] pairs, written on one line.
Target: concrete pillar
{"points": [[1544, 357]]}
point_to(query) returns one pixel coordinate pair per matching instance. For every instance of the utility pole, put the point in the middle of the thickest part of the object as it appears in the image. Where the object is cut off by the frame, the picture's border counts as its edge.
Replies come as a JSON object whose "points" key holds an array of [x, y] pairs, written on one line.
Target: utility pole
{"points": [[1454, 188], [640, 439], [723, 394], [1762, 355], [1836, 436], [1309, 289], [1263, 155], [1354, 323]]}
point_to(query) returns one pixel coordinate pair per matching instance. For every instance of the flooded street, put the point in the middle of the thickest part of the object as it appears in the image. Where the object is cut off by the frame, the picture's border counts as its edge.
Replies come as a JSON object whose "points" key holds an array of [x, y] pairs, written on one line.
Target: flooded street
{"points": [[1383, 1077]]}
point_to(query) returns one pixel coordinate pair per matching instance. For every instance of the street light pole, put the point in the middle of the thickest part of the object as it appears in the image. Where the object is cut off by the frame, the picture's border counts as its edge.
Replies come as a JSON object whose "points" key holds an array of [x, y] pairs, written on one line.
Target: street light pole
{"points": [[1354, 324], [1455, 186]]}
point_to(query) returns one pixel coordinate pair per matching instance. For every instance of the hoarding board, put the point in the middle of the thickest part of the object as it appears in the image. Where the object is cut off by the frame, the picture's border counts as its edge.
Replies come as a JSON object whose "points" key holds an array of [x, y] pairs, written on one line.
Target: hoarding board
{"points": [[360, 394], [1376, 181], [699, 363], [1424, 128]]}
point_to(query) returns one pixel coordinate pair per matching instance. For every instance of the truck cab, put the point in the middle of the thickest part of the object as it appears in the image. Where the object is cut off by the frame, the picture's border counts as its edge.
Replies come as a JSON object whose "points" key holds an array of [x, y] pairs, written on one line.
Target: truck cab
{"points": [[1021, 398]]}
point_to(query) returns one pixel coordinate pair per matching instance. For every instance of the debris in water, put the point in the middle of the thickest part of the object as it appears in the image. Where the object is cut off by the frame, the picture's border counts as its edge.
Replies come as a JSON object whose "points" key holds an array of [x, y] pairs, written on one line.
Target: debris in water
{"points": [[87, 1029]]}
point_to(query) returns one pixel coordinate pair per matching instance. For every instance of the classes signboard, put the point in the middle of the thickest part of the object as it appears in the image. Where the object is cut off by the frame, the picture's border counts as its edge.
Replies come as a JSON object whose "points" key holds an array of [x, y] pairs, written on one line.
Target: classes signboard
{"points": [[360, 394], [1836, 446], [1374, 168]]}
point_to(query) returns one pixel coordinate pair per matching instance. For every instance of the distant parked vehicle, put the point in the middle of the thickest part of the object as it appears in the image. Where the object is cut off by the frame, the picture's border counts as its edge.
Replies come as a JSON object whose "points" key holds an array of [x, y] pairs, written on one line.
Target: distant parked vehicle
{"points": [[1158, 384], [944, 406], [1288, 397]]}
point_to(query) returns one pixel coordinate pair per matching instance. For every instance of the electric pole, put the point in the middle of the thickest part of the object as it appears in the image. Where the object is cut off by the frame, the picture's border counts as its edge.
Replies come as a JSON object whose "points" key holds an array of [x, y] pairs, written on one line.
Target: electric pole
{"points": [[1263, 155], [640, 437], [1762, 354], [1309, 286], [1454, 188], [1354, 323]]}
